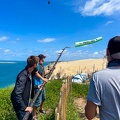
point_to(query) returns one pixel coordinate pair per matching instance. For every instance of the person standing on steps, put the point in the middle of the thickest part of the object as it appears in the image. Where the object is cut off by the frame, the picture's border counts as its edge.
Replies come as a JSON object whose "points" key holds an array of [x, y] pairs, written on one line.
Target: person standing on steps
{"points": [[21, 94], [39, 78], [104, 90]]}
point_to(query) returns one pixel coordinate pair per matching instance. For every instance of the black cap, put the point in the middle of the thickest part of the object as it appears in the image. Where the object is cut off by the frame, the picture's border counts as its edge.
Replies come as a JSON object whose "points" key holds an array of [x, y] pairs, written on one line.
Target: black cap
{"points": [[41, 56], [114, 47]]}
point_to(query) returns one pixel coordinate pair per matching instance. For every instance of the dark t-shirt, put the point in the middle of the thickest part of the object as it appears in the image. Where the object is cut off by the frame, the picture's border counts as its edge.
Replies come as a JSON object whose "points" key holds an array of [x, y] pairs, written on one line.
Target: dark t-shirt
{"points": [[41, 70]]}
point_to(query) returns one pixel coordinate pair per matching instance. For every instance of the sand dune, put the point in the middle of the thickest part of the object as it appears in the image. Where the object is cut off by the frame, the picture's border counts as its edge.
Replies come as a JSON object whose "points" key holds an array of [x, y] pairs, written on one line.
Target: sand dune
{"points": [[84, 66]]}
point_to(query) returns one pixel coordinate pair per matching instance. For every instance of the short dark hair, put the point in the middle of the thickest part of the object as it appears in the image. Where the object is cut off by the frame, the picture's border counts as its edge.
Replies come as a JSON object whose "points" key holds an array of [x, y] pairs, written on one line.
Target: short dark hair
{"points": [[114, 45], [32, 60], [41, 56]]}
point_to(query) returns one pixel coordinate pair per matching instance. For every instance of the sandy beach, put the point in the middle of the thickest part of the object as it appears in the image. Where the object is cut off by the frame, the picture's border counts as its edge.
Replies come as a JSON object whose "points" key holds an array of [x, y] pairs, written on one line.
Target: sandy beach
{"points": [[71, 68]]}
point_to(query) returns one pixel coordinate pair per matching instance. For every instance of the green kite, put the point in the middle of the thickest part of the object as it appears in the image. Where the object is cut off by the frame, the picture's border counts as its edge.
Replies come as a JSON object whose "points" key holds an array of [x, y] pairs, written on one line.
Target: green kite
{"points": [[87, 42]]}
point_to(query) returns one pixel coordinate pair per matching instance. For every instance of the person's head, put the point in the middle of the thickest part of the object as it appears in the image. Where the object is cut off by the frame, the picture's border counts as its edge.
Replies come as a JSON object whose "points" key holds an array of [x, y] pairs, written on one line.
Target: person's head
{"points": [[113, 49], [32, 61], [41, 58]]}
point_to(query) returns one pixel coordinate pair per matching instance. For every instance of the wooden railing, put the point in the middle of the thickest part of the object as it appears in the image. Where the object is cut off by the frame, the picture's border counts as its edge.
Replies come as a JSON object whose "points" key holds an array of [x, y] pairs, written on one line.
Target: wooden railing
{"points": [[60, 111]]}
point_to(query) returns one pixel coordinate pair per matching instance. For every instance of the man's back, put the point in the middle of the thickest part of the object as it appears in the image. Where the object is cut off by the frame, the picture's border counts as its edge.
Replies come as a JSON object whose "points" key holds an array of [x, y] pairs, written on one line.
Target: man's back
{"points": [[105, 92], [22, 90]]}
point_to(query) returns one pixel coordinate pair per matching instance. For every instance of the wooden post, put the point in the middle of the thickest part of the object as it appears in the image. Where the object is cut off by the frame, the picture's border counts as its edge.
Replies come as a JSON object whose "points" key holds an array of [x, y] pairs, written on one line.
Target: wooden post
{"points": [[58, 117], [65, 104], [68, 85], [60, 111], [56, 114], [59, 106]]}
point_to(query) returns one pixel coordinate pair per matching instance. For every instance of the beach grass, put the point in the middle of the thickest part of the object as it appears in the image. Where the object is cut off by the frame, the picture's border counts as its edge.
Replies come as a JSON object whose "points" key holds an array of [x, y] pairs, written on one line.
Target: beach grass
{"points": [[52, 98], [79, 90], [72, 113], [6, 109]]}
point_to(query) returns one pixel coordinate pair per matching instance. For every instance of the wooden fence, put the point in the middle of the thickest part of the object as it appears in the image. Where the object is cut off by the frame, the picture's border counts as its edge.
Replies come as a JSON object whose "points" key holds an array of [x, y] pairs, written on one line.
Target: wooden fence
{"points": [[60, 111]]}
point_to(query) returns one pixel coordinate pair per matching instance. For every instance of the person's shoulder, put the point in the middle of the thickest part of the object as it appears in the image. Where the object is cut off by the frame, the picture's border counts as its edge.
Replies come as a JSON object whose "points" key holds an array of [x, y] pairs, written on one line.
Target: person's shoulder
{"points": [[23, 72], [101, 75], [101, 72]]}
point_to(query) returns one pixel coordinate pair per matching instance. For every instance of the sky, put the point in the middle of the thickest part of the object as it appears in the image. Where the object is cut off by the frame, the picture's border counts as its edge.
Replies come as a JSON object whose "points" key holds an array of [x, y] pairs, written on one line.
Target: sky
{"points": [[33, 27]]}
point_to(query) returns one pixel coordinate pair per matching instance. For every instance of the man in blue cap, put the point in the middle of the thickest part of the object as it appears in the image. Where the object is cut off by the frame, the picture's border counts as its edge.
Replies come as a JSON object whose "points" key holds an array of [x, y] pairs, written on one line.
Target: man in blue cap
{"points": [[39, 78]]}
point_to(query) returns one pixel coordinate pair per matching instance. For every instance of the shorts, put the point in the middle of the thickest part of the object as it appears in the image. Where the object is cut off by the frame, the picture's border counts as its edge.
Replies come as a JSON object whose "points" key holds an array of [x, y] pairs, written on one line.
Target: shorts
{"points": [[41, 98]]}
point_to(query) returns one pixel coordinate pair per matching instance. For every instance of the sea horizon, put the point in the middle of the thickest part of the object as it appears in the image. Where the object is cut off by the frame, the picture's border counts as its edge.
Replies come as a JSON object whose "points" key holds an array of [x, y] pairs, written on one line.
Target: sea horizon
{"points": [[9, 71]]}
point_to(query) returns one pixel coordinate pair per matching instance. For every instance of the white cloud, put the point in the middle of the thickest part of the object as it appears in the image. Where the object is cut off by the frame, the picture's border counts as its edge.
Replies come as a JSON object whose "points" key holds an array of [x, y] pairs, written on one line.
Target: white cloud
{"points": [[100, 54], [103, 53], [96, 53], [59, 51], [0, 48], [98, 7], [46, 40], [83, 55], [4, 38], [109, 22], [6, 50], [79, 51]]}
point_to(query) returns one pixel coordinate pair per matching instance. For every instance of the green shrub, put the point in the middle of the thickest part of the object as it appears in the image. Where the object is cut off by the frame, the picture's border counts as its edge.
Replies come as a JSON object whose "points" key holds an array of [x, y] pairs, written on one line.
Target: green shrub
{"points": [[6, 109], [52, 91], [72, 113], [80, 90], [52, 99]]}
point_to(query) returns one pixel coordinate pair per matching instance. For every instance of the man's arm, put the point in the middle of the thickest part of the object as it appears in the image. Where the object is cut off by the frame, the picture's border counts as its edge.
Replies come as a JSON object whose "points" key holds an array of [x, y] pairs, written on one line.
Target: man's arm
{"points": [[47, 72], [39, 76], [90, 110], [93, 99]]}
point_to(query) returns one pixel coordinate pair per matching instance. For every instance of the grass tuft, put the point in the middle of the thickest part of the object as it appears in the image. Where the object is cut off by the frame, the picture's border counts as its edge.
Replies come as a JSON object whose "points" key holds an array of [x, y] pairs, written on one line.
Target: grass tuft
{"points": [[72, 113], [52, 91]]}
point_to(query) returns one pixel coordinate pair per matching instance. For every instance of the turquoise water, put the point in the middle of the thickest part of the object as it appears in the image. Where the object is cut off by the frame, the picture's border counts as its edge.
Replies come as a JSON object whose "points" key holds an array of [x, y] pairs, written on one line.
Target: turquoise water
{"points": [[9, 71]]}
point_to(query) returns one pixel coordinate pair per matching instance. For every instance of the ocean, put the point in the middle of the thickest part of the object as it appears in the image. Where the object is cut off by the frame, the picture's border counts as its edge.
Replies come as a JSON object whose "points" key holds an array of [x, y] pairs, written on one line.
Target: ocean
{"points": [[9, 71]]}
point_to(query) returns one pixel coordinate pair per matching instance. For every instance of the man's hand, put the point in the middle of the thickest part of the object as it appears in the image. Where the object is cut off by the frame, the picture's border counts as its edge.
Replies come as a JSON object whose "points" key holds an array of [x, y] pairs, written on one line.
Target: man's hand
{"points": [[29, 109], [39, 86], [45, 80]]}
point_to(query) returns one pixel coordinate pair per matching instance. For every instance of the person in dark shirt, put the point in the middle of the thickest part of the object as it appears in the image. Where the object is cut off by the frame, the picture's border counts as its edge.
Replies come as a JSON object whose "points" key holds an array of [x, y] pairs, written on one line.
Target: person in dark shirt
{"points": [[21, 94]]}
